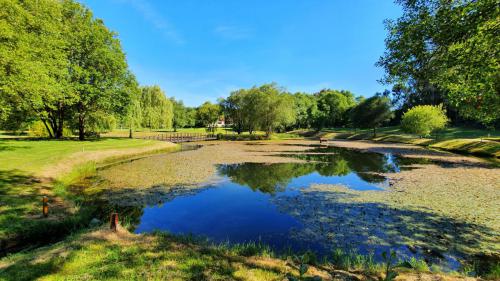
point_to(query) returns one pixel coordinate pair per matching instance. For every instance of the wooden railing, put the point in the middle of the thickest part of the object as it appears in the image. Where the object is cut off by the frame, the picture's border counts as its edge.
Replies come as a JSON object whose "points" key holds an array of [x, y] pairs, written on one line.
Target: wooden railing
{"points": [[181, 137]]}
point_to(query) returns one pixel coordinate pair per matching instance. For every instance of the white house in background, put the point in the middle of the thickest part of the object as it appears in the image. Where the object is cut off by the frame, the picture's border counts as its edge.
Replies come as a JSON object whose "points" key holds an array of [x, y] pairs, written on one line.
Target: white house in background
{"points": [[220, 122]]}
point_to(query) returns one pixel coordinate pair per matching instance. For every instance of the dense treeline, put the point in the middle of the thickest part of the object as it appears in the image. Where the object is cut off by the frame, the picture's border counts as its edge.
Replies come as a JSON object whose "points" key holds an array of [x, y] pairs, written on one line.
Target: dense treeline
{"points": [[270, 108]]}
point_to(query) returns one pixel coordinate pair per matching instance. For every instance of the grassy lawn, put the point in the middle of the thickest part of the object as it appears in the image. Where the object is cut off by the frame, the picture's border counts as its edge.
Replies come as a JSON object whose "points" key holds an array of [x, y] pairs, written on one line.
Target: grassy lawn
{"points": [[31, 169], [456, 139], [103, 255], [30, 156]]}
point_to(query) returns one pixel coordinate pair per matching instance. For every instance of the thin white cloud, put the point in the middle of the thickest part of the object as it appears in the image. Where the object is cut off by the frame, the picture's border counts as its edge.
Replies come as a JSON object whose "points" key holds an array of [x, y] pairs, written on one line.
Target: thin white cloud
{"points": [[233, 32], [150, 14]]}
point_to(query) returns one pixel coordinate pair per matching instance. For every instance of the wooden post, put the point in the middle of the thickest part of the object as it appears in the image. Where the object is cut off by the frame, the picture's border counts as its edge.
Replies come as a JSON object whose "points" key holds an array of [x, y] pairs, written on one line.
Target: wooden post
{"points": [[113, 222], [45, 206]]}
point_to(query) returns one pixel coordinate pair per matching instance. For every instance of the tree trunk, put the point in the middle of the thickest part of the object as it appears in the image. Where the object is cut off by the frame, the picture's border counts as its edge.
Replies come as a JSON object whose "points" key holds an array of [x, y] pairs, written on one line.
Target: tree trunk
{"points": [[81, 122], [48, 129], [130, 133], [374, 131], [81, 128], [60, 122]]}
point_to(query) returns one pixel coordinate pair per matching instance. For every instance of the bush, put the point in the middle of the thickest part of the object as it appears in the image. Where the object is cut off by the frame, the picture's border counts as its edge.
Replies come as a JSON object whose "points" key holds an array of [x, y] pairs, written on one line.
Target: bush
{"points": [[424, 119], [38, 129]]}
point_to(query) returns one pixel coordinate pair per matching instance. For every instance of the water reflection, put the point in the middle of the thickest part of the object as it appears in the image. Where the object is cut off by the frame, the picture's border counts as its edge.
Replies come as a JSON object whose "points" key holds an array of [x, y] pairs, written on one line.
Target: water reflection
{"points": [[279, 204], [325, 165]]}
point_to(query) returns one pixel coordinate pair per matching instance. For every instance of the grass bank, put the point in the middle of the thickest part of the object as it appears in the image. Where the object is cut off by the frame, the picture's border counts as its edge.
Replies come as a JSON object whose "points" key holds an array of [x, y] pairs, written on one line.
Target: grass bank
{"points": [[104, 255], [461, 140], [31, 169]]}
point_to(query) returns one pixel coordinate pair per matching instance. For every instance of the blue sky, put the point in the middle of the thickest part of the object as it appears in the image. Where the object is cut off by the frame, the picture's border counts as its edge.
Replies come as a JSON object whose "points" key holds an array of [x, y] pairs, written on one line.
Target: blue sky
{"points": [[202, 50]]}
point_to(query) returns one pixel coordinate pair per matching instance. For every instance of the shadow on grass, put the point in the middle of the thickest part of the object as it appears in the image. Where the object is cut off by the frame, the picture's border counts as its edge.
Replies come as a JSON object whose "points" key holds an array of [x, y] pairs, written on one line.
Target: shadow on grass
{"points": [[22, 224]]}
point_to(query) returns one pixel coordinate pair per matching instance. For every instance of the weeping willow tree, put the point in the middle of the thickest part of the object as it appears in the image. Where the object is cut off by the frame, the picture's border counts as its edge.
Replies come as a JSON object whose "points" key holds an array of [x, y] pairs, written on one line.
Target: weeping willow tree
{"points": [[157, 110]]}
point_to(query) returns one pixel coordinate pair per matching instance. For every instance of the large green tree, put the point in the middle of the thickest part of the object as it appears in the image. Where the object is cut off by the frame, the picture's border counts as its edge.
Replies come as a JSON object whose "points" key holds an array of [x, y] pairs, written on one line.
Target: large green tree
{"points": [[371, 113], [333, 107], [234, 108], [33, 62], [96, 61], [180, 114], [275, 108], [446, 51], [208, 114], [306, 110], [129, 108], [157, 110]]}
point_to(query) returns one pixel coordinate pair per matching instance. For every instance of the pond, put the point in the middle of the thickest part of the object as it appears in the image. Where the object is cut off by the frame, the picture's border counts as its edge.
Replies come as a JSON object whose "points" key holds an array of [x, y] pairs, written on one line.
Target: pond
{"points": [[304, 206]]}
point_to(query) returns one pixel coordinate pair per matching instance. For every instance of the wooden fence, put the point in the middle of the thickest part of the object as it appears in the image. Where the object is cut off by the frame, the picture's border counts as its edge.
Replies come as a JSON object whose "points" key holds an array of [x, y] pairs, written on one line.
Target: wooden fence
{"points": [[181, 137]]}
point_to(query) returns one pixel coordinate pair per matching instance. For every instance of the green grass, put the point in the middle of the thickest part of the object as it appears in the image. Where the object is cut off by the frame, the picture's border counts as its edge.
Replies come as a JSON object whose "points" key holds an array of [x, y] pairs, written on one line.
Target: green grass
{"points": [[462, 140], [102, 255], [127, 257], [445, 134], [33, 155], [22, 183]]}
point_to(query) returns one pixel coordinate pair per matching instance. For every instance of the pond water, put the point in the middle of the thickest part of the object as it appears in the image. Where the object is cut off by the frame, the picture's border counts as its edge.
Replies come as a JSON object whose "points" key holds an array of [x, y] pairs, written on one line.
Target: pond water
{"points": [[269, 203]]}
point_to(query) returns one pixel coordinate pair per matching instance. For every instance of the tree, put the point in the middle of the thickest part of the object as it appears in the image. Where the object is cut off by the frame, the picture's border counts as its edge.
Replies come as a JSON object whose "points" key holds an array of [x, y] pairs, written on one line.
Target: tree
{"points": [[96, 61], [274, 108], [424, 119], [190, 117], [208, 114], [157, 110], [33, 63], [180, 117], [60, 65], [333, 106], [446, 51], [129, 108], [234, 108], [306, 110], [371, 113]]}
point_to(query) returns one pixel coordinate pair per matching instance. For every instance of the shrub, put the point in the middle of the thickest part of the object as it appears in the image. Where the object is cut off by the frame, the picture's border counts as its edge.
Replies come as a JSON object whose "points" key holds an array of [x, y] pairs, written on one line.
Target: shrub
{"points": [[424, 119], [38, 129]]}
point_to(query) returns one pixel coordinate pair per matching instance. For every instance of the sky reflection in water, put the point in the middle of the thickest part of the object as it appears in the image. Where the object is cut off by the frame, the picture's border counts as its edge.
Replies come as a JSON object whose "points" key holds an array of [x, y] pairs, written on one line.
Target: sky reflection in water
{"points": [[246, 206]]}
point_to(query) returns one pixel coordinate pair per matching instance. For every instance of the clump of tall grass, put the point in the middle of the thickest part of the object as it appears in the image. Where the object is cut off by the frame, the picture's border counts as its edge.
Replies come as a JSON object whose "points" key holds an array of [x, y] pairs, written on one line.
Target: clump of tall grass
{"points": [[351, 260], [416, 264], [247, 249]]}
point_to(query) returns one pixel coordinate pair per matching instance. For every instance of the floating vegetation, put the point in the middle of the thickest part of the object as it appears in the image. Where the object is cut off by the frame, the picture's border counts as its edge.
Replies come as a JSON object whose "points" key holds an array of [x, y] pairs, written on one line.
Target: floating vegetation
{"points": [[433, 213]]}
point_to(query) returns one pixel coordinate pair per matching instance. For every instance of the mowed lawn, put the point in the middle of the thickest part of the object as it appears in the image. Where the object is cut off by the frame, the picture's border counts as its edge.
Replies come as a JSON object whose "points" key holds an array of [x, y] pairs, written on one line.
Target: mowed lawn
{"points": [[456, 139], [24, 179], [32, 155]]}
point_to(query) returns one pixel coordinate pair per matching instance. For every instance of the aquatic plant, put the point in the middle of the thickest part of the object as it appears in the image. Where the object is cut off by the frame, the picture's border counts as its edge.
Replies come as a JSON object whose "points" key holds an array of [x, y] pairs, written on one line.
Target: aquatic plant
{"points": [[389, 260], [416, 264], [351, 260]]}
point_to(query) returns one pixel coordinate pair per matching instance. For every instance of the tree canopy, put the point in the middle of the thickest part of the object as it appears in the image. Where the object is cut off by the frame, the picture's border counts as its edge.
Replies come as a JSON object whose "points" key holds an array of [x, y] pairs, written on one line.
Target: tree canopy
{"points": [[266, 107], [333, 106], [59, 64], [208, 114], [371, 112], [446, 51], [157, 110]]}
